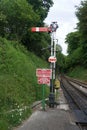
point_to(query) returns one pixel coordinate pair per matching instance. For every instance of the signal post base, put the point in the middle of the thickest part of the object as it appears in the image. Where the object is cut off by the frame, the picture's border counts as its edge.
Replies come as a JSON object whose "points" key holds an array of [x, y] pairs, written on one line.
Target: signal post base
{"points": [[51, 100]]}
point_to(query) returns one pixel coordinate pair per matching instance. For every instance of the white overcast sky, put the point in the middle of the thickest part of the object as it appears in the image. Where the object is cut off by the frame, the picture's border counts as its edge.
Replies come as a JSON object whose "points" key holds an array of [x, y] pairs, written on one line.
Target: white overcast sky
{"points": [[63, 11]]}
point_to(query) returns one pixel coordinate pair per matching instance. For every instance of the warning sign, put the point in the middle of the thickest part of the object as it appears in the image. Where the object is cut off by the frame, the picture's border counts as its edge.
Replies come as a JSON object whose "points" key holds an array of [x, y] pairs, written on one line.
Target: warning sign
{"points": [[43, 72], [43, 80]]}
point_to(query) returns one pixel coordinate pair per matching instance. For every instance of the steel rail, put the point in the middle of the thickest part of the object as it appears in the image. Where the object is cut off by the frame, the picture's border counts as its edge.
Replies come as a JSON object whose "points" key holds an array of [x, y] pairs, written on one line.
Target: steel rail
{"points": [[79, 99], [83, 84]]}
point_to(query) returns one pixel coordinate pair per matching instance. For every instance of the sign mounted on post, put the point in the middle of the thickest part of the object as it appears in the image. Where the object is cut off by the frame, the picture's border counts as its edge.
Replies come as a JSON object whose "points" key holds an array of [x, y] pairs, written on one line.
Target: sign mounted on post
{"points": [[43, 72], [43, 76], [43, 80], [52, 59]]}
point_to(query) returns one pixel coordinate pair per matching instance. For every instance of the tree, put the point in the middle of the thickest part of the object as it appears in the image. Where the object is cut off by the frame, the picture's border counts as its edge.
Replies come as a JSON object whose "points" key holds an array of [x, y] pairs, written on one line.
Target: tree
{"points": [[81, 14], [41, 7], [60, 59], [17, 17], [36, 41], [77, 41], [3, 22], [75, 51], [73, 41]]}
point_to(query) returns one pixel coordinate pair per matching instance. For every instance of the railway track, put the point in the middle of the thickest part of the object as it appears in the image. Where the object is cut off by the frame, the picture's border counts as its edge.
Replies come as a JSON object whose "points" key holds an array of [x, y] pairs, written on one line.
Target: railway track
{"points": [[76, 93], [83, 84]]}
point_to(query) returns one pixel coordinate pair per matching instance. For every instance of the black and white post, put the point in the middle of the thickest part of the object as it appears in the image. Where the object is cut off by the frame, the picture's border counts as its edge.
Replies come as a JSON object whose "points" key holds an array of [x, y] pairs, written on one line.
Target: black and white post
{"points": [[53, 28]]}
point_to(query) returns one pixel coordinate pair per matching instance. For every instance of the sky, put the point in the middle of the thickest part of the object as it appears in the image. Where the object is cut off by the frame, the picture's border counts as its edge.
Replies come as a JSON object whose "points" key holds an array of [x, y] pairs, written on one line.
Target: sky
{"points": [[63, 12]]}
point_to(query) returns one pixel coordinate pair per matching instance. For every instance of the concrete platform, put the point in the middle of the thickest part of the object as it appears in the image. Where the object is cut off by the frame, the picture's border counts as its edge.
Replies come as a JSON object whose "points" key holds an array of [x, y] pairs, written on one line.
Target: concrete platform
{"points": [[58, 118]]}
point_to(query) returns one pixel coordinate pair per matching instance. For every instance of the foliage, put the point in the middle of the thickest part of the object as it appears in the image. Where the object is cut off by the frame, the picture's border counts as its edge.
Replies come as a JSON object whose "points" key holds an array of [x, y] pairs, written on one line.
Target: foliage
{"points": [[73, 41], [41, 7], [81, 14], [3, 22], [16, 18], [60, 60], [75, 51], [36, 42], [5, 126], [74, 59], [79, 72], [77, 41], [18, 83]]}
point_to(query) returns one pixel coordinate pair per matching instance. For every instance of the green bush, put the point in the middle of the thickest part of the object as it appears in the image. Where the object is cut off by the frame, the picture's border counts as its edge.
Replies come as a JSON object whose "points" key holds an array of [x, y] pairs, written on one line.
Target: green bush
{"points": [[78, 72]]}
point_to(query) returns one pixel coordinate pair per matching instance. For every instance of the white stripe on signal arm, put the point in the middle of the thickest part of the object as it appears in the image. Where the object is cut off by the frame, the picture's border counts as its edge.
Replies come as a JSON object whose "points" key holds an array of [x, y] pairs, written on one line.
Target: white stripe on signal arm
{"points": [[37, 29]]}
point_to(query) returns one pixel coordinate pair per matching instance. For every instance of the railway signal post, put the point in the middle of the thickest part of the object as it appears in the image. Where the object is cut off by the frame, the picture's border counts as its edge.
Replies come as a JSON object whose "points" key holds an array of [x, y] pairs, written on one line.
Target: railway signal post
{"points": [[52, 59]]}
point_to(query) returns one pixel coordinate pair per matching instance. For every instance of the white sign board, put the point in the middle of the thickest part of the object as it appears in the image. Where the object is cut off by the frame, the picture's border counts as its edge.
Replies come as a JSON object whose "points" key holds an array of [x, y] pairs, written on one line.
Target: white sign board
{"points": [[52, 59]]}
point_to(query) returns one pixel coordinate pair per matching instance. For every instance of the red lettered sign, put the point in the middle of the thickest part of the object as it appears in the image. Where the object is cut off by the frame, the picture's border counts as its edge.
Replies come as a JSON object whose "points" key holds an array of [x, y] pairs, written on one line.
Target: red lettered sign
{"points": [[52, 59], [43, 80], [43, 72]]}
